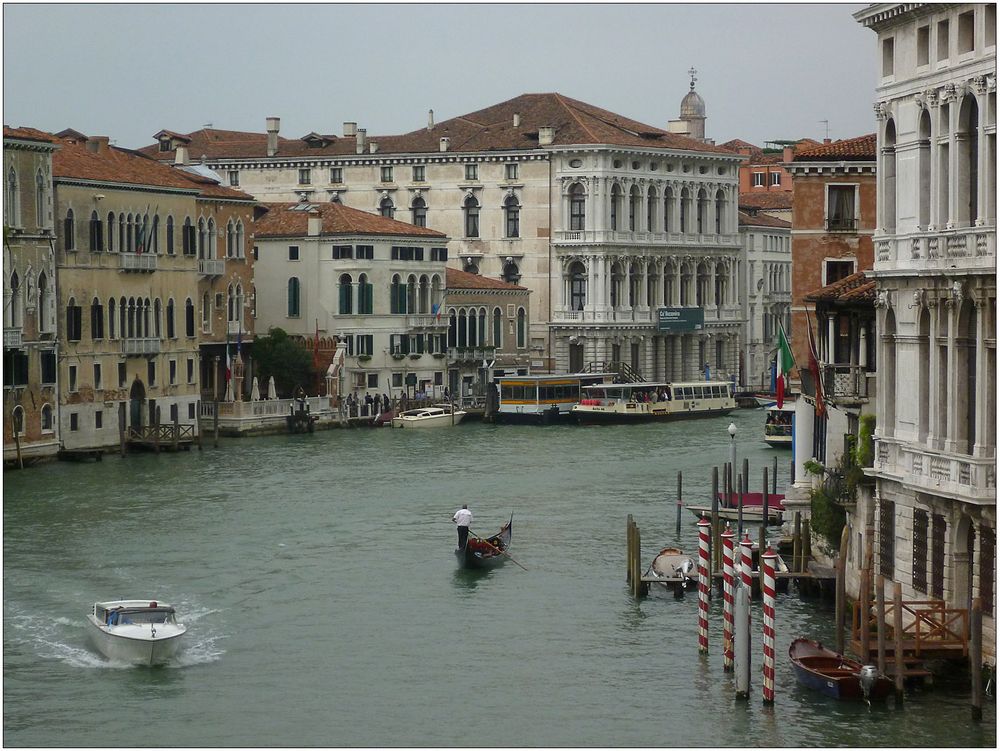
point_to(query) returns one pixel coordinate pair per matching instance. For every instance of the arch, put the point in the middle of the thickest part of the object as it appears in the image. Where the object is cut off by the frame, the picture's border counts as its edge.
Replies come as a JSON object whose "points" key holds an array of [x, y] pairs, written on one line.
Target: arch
{"points": [[187, 244], [386, 208], [617, 277], [418, 212], [137, 398], [16, 303], [651, 209], [423, 295], [112, 231], [69, 231], [967, 174], [965, 378], [240, 239], [701, 211], [616, 203], [345, 297], [463, 330], [470, 207], [452, 328], [45, 419], [17, 420], [294, 297], [96, 233], [96, 319], [154, 236], [578, 281], [497, 328], [44, 303], [157, 327], [522, 328], [685, 210], [201, 237], [634, 207], [365, 301], [721, 225], [111, 318], [170, 235], [397, 295], [577, 207], [411, 294], [512, 216], [923, 374], [888, 178], [668, 207], [210, 247], [924, 169], [887, 386]]}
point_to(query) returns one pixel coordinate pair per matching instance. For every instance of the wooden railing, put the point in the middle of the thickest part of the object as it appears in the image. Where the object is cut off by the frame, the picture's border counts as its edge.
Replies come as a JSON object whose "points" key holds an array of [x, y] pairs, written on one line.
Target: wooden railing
{"points": [[164, 433], [927, 625]]}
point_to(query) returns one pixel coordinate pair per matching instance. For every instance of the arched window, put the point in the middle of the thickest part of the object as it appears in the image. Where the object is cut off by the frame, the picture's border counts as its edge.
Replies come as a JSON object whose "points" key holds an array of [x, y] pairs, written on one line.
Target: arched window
{"points": [[143, 243], [888, 176], [17, 419], [122, 242], [294, 302], [397, 295], [170, 235], [419, 211], [154, 235], [497, 328], [577, 286], [924, 169], [521, 328], [463, 329], [651, 210], [202, 236], [122, 316], [685, 199], [238, 306], [423, 295], [471, 209], [473, 332], [111, 318], [411, 295], [189, 317], [230, 240], [616, 200], [577, 207], [44, 303], [365, 295], [16, 303], [346, 297], [171, 330], [634, 200], [720, 212], [187, 239], [239, 239], [386, 209], [967, 177], [158, 329], [46, 419], [210, 248], [96, 319], [511, 273], [11, 207], [512, 216], [40, 198], [668, 208], [129, 243], [452, 329], [482, 327], [112, 231], [702, 208], [69, 231]]}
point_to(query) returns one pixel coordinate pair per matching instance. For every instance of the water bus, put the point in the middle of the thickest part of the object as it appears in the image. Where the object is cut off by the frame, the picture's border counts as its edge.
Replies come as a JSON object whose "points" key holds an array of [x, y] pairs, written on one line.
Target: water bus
{"points": [[651, 402], [778, 425], [542, 399]]}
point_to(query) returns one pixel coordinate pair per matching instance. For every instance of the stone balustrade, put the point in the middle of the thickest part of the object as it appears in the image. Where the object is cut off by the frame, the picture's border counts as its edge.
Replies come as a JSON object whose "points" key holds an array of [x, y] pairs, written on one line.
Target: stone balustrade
{"points": [[965, 478], [966, 248]]}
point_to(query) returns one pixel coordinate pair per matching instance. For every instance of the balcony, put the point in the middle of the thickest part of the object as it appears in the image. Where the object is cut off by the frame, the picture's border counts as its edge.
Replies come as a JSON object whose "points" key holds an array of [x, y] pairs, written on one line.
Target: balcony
{"points": [[608, 236], [142, 262], [211, 267], [845, 383], [235, 328], [426, 322], [972, 248], [12, 337], [965, 478], [140, 347]]}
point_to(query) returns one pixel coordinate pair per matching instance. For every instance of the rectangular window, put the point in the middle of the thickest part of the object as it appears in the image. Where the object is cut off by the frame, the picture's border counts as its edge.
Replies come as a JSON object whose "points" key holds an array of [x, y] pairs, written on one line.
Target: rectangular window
{"points": [[151, 373], [397, 380], [305, 176], [190, 370], [938, 526], [840, 208], [775, 178], [99, 419], [74, 421], [419, 173], [943, 42], [439, 254], [256, 253], [74, 323], [510, 171], [966, 31], [888, 47], [373, 381], [15, 367], [72, 377], [919, 550], [387, 174], [758, 179], [837, 270], [191, 411], [336, 174], [173, 412], [886, 537], [293, 252], [234, 177], [165, 145], [122, 375], [343, 251], [987, 565], [97, 376], [48, 357], [365, 251], [472, 172], [923, 47], [173, 372]]}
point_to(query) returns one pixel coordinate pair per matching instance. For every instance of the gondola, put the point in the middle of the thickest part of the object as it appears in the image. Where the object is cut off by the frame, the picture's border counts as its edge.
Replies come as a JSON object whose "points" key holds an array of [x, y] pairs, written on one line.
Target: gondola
{"points": [[486, 552], [833, 674]]}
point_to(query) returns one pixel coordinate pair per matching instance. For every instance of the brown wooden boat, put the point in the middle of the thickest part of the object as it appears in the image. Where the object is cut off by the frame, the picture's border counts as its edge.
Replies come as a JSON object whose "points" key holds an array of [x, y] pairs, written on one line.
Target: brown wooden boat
{"points": [[834, 674]]}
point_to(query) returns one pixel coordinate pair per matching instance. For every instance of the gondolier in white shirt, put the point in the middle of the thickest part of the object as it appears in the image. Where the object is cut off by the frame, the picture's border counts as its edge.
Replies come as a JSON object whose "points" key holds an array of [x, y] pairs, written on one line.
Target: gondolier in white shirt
{"points": [[463, 518]]}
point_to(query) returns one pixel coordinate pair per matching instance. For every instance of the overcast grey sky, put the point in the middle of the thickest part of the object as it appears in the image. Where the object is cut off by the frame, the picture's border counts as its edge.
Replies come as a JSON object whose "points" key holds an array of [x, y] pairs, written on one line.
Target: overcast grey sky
{"points": [[126, 71]]}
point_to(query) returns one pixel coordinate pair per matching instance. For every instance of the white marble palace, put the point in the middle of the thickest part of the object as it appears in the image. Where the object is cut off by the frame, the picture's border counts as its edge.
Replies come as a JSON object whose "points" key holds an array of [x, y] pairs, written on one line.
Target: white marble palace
{"points": [[935, 267], [605, 219]]}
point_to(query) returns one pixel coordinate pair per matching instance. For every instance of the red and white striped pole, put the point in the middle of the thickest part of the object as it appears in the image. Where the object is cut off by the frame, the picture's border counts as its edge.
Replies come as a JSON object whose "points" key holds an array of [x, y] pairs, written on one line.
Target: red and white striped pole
{"points": [[703, 585], [746, 567], [768, 589], [727, 598]]}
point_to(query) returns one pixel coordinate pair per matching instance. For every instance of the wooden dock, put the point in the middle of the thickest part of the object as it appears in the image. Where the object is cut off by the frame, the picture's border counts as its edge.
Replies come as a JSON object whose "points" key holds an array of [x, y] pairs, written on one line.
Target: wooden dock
{"points": [[161, 437]]}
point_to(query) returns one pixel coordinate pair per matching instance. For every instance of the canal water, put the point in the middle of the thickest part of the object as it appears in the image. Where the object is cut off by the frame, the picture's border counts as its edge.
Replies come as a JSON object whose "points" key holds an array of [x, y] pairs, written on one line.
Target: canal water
{"points": [[325, 608]]}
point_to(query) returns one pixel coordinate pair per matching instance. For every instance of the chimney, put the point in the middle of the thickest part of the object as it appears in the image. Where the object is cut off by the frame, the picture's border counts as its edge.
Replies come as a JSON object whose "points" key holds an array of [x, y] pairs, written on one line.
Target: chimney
{"points": [[744, 150], [517, 119], [315, 223], [787, 154], [372, 147], [444, 143], [361, 135], [826, 140], [546, 135], [97, 144], [273, 124], [430, 119], [181, 155], [350, 130]]}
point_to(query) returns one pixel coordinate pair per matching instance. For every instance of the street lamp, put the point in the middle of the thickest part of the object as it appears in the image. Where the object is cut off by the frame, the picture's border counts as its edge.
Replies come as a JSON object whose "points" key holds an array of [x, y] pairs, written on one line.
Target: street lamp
{"points": [[734, 483], [732, 445]]}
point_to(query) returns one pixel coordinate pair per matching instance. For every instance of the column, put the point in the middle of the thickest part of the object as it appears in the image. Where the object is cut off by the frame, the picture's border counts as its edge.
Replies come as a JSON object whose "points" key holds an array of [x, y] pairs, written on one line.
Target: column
{"points": [[982, 166], [677, 343], [934, 430], [676, 292], [863, 349], [644, 286], [803, 443], [831, 339], [982, 415], [934, 155], [953, 108], [712, 273], [952, 428]]}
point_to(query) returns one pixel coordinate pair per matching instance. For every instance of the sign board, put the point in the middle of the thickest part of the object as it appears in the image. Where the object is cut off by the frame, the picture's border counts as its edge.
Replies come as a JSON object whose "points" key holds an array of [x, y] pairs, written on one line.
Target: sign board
{"points": [[680, 319], [411, 379]]}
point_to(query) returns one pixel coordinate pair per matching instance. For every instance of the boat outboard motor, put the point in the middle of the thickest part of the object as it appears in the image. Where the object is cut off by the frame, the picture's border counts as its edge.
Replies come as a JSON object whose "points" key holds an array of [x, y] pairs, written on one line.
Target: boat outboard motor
{"points": [[867, 677]]}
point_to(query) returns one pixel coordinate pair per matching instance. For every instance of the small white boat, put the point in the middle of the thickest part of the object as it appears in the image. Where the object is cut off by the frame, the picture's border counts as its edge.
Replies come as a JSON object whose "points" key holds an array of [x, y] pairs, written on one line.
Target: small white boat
{"points": [[438, 416], [674, 569], [144, 632], [778, 425]]}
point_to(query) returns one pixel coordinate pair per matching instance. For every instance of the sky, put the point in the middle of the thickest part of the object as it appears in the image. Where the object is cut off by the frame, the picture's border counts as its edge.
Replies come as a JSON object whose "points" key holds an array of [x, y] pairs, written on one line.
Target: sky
{"points": [[766, 72]]}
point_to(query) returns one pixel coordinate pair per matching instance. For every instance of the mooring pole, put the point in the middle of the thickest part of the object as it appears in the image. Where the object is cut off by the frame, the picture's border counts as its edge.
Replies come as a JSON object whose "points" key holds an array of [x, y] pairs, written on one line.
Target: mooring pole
{"points": [[797, 542], [840, 599], [741, 640], [764, 519], [197, 423], [727, 599], [774, 478], [679, 503], [716, 553], [880, 627], [703, 585], [768, 589], [976, 657], [897, 623]]}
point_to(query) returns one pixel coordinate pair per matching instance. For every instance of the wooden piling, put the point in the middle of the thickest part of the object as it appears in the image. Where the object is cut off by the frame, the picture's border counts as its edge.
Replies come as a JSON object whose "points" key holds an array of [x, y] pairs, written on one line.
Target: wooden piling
{"points": [[679, 503], [880, 626], [807, 551], [628, 550], [897, 627], [215, 423], [841, 589], [715, 543], [121, 427], [156, 430], [774, 478], [197, 422], [17, 446], [741, 483], [797, 542], [177, 432], [976, 657]]}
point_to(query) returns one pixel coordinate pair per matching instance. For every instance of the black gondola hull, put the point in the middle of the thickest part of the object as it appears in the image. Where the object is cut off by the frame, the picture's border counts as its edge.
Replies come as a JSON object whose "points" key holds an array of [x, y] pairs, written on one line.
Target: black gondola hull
{"points": [[486, 552]]}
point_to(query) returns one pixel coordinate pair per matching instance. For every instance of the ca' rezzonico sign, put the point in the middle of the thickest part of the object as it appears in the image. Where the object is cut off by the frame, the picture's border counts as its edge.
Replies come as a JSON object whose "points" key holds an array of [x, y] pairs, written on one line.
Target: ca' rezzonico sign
{"points": [[680, 319]]}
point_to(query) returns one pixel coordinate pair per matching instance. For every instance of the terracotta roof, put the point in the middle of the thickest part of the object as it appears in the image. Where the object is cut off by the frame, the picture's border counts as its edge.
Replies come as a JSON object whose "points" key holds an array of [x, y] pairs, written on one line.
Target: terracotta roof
{"points": [[288, 220], [115, 165], [28, 134], [457, 279], [856, 288], [762, 220], [171, 134], [489, 129], [772, 200], [862, 148], [736, 144]]}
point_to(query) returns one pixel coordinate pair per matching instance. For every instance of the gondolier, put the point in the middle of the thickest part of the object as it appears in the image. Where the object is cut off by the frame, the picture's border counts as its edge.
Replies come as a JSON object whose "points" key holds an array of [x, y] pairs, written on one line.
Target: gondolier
{"points": [[463, 518]]}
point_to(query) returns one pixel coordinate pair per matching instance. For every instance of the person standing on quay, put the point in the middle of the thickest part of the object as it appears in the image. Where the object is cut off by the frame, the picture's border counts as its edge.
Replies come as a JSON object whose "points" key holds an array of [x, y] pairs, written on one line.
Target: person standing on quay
{"points": [[463, 518]]}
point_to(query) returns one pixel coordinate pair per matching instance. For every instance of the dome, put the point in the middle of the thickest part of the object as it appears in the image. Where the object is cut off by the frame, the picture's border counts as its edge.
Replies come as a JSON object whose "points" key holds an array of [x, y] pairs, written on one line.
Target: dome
{"points": [[692, 105]]}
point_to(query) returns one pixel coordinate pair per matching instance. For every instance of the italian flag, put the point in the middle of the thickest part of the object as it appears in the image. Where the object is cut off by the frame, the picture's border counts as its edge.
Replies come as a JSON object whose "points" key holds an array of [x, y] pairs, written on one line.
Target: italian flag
{"points": [[785, 362]]}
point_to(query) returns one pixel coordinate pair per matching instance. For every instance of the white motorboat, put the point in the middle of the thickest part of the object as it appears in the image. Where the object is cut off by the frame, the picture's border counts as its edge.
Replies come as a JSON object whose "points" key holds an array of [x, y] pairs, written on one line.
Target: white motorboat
{"points": [[778, 425], [144, 632], [438, 416]]}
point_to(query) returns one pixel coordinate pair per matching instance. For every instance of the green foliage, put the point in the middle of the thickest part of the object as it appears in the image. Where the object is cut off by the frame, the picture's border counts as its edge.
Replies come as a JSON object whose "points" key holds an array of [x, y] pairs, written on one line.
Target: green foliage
{"points": [[813, 467], [278, 355], [865, 449], [827, 515]]}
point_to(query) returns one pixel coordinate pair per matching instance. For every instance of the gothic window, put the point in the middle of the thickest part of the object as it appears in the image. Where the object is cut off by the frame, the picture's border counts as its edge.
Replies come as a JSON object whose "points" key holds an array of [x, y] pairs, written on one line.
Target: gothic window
{"points": [[69, 231], [616, 199], [650, 209], [521, 328], [720, 211], [44, 301], [11, 208], [497, 328], [239, 239], [210, 247], [16, 303], [293, 298], [386, 209], [201, 237], [111, 318], [577, 286], [512, 215], [96, 320], [685, 199], [471, 210], [170, 235], [419, 210], [633, 208], [40, 196]]}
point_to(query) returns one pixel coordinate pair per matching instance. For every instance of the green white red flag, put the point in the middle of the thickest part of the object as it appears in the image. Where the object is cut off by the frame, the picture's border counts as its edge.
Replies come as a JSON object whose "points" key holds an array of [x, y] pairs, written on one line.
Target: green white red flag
{"points": [[784, 362]]}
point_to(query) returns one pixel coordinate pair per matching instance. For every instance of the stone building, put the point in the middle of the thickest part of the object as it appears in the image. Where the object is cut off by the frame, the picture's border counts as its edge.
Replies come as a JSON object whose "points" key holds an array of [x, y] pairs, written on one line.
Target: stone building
{"points": [[765, 293], [603, 218], [30, 345], [934, 527], [129, 291]]}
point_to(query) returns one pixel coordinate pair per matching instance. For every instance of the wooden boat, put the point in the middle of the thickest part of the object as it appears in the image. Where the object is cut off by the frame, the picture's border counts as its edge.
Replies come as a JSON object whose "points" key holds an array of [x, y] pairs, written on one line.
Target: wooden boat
{"points": [[833, 674], [486, 552], [674, 569], [753, 508]]}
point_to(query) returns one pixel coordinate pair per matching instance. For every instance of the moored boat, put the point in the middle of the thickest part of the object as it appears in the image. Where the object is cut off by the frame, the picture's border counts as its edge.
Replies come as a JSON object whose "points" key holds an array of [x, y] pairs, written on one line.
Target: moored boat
{"points": [[541, 399], [674, 569], [652, 402], [778, 425], [834, 674], [438, 416], [143, 632], [753, 507], [486, 552]]}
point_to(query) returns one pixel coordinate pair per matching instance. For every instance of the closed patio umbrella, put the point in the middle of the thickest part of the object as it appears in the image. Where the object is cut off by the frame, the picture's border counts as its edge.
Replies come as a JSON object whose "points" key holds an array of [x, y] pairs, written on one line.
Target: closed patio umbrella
{"points": [[255, 391], [272, 392]]}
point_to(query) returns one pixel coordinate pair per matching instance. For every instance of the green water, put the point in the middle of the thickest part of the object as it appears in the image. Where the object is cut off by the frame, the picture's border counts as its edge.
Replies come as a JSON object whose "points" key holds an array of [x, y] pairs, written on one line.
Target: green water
{"points": [[324, 605]]}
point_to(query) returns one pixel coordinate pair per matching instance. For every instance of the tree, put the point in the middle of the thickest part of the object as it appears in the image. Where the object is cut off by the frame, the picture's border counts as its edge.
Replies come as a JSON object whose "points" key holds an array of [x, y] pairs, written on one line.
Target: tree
{"points": [[278, 355]]}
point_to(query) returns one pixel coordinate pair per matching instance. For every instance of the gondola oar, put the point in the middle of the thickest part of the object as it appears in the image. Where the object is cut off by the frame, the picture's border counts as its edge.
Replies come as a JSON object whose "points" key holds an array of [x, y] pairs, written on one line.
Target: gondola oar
{"points": [[499, 550]]}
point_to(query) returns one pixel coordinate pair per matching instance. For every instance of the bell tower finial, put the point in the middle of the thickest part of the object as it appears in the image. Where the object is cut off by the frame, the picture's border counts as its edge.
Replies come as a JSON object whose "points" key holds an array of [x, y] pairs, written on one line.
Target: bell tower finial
{"points": [[692, 72]]}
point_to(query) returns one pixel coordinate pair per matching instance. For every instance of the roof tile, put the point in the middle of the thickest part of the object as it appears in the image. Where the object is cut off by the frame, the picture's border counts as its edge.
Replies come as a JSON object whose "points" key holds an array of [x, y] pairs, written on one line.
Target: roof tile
{"points": [[861, 148], [457, 279], [289, 220], [856, 288]]}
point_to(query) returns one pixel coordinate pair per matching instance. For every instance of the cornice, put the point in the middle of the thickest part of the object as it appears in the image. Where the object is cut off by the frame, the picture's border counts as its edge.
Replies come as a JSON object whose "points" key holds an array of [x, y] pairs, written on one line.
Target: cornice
{"points": [[26, 145], [361, 160], [107, 184]]}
